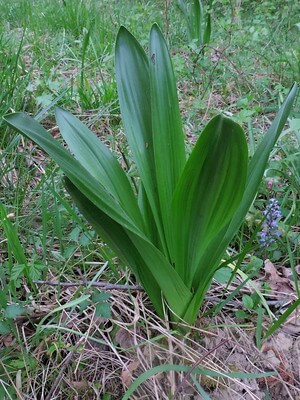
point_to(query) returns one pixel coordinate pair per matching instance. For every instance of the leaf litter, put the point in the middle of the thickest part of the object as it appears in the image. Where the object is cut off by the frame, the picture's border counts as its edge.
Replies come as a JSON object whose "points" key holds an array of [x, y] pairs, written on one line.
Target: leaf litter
{"points": [[116, 351]]}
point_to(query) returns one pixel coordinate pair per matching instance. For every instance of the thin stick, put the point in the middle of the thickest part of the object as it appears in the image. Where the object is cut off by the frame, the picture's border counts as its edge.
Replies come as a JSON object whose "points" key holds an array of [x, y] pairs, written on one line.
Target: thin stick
{"points": [[138, 288], [104, 285], [193, 367]]}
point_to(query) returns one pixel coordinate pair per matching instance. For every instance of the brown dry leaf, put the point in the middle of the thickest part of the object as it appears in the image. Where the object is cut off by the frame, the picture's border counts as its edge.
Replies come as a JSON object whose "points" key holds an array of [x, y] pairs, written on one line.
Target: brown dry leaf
{"points": [[124, 338], [276, 354], [292, 324], [287, 272], [8, 340], [80, 385], [276, 281], [284, 283], [126, 375]]}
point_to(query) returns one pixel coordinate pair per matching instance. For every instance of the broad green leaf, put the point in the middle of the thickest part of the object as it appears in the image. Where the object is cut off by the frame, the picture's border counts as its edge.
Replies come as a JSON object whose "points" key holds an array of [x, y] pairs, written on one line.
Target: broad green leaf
{"points": [[208, 194], [259, 161], [256, 170], [16, 271], [80, 177], [13, 311], [148, 263], [214, 252], [4, 329], [103, 310], [132, 75], [117, 238], [248, 301], [168, 139], [99, 161], [113, 233], [98, 296], [148, 217]]}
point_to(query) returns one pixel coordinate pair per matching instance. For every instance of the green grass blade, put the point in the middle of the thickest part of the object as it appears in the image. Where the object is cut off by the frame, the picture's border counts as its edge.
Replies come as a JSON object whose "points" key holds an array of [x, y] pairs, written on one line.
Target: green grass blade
{"points": [[208, 194], [185, 368], [293, 266], [259, 325], [201, 391], [168, 139], [12, 237], [99, 161]]}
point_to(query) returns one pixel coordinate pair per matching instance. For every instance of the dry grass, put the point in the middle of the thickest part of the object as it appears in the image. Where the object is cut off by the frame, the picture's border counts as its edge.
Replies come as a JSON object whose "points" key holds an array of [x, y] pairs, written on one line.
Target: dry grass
{"points": [[80, 356]]}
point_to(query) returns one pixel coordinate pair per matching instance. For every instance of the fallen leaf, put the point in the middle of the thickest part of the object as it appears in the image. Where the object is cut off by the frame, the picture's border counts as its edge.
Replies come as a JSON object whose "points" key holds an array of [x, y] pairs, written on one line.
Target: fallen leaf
{"points": [[80, 385], [8, 340], [124, 338], [292, 324], [287, 272], [126, 375], [276, 281]]}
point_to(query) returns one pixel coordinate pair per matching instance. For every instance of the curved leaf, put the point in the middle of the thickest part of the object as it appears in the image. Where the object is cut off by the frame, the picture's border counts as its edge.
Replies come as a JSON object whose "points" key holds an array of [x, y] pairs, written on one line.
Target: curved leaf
{"points": [[78, 175], [99, 161], [256, 170], [208, 194], [117, 238], [147, 262]]}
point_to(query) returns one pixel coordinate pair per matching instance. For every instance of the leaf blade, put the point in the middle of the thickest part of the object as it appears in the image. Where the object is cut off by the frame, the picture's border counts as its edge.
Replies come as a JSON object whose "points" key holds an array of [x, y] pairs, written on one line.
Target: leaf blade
{"points": [[210, 188], [71, 167], [257, 167], [168, 139], [99, 161], [146, 261], [132, 76]]}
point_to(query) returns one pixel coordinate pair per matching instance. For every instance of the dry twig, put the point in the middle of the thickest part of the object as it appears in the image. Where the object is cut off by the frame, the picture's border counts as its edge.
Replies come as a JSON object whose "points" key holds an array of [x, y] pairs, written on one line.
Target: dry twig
{"points": [[104, 285]]}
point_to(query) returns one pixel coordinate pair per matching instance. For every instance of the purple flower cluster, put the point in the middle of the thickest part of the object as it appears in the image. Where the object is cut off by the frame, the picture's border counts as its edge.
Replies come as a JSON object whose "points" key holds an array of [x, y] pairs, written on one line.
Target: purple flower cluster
{"points": [[270, 231]]}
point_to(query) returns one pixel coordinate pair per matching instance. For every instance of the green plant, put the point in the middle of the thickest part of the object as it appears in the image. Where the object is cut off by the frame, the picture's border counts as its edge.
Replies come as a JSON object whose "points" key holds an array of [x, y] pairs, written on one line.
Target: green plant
{"points": [[13, 272], [198, 22], [173, 233]]}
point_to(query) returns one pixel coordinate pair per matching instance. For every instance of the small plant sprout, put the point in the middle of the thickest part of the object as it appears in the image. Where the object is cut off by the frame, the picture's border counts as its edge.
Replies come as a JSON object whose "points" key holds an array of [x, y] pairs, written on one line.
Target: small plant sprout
{"points": [[174, 232], [198, 22]]}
